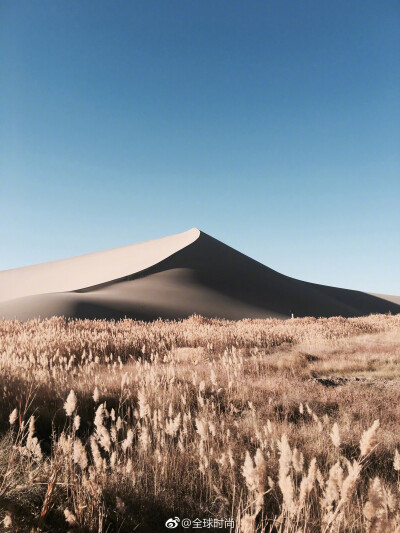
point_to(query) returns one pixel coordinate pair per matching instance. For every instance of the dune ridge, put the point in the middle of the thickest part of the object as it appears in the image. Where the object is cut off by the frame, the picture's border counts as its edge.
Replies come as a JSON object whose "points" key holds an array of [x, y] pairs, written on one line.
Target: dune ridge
{"points": [[173, 278]]}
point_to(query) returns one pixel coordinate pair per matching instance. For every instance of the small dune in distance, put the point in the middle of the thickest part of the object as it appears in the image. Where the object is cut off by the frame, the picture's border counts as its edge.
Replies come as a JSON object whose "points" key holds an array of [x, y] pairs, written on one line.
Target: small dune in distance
{"points": [[173, 278]]}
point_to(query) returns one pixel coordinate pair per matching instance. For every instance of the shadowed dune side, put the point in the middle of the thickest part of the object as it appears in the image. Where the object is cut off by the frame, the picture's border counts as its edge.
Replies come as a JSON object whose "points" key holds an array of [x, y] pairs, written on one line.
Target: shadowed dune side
{"points": [[210, 264], [172, 294], [205, 277]]}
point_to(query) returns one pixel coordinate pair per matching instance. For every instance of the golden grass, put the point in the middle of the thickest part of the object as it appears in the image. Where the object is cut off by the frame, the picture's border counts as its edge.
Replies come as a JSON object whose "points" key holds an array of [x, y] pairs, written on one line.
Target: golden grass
{"points": [[283, 426]]}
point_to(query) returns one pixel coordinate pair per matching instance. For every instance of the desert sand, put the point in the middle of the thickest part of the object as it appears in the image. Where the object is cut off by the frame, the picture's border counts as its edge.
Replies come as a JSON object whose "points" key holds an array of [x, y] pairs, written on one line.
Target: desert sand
{"points": [[171, 278]]}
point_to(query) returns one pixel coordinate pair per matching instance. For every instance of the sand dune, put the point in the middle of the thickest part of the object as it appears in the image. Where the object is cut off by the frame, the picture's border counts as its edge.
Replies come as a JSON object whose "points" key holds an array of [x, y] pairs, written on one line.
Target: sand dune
{"points": [[173, 277], [388, 297], [90, 269]]}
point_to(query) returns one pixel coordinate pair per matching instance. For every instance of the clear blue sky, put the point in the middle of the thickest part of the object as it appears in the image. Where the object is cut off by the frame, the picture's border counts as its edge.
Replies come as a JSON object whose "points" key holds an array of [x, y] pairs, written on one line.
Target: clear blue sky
{"points": [[273, 126]]}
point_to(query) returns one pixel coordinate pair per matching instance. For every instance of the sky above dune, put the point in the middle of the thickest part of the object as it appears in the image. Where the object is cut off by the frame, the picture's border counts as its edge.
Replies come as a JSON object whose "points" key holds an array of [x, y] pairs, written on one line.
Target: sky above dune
{"points": [[273, 126]]}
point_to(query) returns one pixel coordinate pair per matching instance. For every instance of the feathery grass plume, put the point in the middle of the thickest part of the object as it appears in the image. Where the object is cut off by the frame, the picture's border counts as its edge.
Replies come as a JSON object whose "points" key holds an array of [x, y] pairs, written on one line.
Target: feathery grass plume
{"points": [[297, 460], [70, 404], [332, 490], [232, 461], [203, 457], [99, 417], [285, 480], [129, 467], [213, 378], [223, 460], [80, 457], [350, 482], [97, 459], [375, 499], [317, 421], [335, 435], [77, 422], [13, 417], [396, 460], [255, 474], [65, 444], [113, 460], [7, 522], [376, 509], [70, 518], [32, 443], [287, 489], [285, 459], [114, 433], [104, 438], [200, 401], [347, 490], [312, 474], [248, 472], [96, 395], [127, 443], [172, 426], [369, 439], [307, 484], [202, 428], [124, 379], [181, 444]]}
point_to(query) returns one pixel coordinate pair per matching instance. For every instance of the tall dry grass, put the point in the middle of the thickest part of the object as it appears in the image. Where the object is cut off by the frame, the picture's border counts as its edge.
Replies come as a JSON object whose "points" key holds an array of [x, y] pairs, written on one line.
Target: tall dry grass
{"points": [[283, 426]]}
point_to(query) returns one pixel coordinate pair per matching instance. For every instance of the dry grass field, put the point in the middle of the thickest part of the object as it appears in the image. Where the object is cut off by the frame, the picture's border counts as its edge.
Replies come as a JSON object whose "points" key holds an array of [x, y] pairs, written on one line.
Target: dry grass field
{"points": [[281, 426]]}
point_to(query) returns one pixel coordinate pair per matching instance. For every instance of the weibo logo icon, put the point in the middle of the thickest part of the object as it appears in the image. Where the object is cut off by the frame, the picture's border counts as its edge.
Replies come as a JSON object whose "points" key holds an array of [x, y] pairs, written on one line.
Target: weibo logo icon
{"points": [[172, 523]]}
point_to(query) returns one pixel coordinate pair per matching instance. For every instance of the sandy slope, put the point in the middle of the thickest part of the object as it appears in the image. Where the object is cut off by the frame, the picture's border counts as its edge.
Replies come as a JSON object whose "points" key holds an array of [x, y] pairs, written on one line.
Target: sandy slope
{"points": [[90, 269], [388, 297], [173, 277]]}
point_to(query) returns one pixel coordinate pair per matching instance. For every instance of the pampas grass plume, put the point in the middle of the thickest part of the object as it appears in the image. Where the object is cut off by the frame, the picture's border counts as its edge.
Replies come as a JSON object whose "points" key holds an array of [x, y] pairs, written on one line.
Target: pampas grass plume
{"points": [[369, 439], [70, 404], [13, 417], [335, 435]]}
